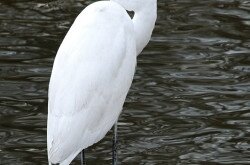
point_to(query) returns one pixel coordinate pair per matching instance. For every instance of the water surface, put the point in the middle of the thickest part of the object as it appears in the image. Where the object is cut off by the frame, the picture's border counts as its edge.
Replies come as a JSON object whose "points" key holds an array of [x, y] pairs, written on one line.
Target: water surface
{"points": [[189, 102]]}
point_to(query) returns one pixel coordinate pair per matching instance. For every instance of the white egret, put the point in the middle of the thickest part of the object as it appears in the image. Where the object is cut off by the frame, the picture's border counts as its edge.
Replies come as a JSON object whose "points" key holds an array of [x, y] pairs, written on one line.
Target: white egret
{"points": [[92, 73]]}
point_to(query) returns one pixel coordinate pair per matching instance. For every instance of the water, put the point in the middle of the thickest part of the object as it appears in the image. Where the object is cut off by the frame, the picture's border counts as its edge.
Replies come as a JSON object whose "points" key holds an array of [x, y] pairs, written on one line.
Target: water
{"points": [[189, 102]]}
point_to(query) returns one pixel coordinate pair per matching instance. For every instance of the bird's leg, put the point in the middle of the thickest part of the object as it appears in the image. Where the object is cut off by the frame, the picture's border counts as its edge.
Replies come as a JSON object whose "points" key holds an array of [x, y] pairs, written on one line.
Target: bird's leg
{"points": [[83, 162], [114, 150]]}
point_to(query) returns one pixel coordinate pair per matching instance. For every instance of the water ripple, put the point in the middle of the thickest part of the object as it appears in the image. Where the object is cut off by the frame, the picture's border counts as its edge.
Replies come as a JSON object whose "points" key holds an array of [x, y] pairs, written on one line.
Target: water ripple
{"points": [[189, 102]]}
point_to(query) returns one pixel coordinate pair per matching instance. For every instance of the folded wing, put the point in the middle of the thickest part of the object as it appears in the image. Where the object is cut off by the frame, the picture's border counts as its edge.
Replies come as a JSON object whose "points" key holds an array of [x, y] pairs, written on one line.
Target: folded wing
{"points": [[91, 76]]}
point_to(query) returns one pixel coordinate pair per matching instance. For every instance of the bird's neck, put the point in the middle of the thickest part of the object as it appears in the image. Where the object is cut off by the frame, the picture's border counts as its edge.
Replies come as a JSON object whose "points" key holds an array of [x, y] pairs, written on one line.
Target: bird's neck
{"points": [[144, 22]]}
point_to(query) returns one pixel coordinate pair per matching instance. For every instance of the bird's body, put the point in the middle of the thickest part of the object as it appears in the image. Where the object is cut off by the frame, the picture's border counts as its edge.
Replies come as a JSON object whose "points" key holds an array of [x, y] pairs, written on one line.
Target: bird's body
{"points": [[91, 76]]}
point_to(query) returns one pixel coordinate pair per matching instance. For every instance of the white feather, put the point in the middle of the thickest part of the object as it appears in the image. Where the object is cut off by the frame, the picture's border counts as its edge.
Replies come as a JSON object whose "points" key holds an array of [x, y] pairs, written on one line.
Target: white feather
{"points": [[92, 73], [91, 76]]}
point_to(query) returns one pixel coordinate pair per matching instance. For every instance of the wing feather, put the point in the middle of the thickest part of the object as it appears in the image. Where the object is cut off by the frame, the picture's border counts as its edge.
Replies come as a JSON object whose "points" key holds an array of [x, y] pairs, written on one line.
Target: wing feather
{"points": [[91, 76]]}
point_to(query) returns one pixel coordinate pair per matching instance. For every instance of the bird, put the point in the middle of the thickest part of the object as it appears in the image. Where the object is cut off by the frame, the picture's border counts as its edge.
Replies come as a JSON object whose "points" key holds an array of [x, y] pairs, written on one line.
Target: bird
{"points": [[92, 73]]}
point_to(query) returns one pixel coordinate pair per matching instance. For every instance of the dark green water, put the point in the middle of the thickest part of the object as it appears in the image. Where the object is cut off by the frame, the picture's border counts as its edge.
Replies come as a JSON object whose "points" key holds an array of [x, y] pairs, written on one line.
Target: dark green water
{"points": [[189, 103]]}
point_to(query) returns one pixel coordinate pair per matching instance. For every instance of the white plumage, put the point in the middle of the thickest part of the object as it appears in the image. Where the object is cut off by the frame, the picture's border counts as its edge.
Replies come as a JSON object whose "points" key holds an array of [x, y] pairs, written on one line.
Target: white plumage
{"points": [[91, 76]]}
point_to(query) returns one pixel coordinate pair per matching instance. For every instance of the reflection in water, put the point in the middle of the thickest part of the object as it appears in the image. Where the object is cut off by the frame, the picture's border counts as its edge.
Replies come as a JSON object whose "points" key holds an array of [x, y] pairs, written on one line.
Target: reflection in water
{"points": [[189, 103]]}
